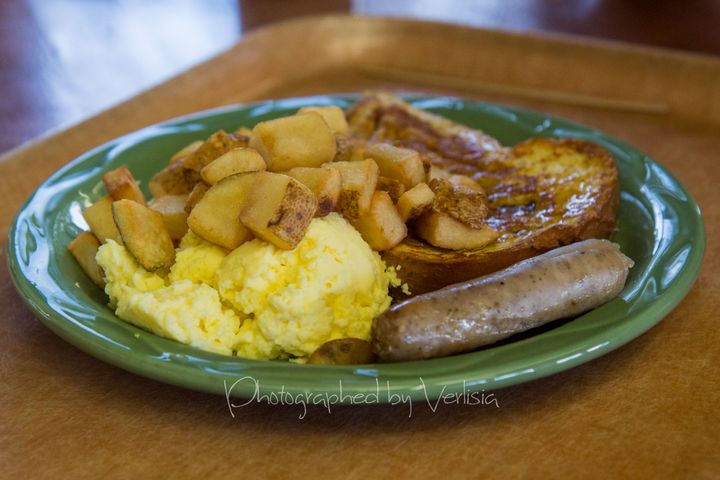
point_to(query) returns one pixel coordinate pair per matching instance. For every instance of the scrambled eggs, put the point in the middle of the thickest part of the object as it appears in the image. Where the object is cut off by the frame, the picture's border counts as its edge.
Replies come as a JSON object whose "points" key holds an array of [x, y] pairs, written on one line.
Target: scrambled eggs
{"points": [[257, 301]]}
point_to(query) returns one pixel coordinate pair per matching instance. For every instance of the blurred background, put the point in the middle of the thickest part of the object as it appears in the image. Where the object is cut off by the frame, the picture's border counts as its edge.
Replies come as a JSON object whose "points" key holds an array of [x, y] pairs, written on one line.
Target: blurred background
{"points": [[63, 60]]}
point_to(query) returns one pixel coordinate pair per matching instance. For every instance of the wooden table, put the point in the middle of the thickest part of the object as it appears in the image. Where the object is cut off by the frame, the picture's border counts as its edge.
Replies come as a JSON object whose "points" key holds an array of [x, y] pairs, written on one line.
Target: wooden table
{"points": [[647, 410]]}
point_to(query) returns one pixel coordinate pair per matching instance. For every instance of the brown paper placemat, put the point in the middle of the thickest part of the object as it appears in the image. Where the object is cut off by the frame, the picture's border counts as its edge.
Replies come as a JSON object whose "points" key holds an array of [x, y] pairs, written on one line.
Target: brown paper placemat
{"points": [[647, 410]]}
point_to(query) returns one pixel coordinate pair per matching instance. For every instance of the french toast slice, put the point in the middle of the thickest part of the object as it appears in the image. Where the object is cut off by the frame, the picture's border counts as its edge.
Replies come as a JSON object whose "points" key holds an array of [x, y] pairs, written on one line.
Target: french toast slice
{"points": [[541, 194]]}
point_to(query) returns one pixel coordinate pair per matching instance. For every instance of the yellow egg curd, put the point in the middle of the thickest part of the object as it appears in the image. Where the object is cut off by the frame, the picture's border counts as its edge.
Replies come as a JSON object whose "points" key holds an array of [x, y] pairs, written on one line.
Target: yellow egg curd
{"points": [[258, 301]]}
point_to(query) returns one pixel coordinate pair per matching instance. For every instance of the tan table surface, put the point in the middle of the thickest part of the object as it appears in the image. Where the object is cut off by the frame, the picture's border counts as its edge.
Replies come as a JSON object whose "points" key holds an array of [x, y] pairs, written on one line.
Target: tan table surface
{"points": [[647, 410]]}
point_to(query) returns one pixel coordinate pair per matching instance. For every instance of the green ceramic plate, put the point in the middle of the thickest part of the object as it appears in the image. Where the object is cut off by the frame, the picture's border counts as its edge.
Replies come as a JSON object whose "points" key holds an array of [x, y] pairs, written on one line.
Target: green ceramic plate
{"points": [[660, 229]]}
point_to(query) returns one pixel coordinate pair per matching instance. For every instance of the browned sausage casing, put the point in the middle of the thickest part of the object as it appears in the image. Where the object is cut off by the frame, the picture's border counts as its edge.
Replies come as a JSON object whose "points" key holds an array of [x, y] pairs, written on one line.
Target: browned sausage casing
{"points": [[558, 284]]}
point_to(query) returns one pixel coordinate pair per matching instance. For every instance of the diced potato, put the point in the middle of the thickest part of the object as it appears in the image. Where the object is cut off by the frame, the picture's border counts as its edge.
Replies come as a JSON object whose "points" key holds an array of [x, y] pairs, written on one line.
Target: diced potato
{"points": [[393, 187], [295, 141], [217, 144], [381, 226], [437, 172], [216, 217], [84, 248], [172, 209], [243, 132], [100, 219], [173, 180], [358, 182], [349, 149], [443, 231], [463, 203], [333, 116], [186, 150], [237, 160], [343, 351], [415, 201], [278, 209], [325, 184], [194, 197], [401, 164], [144, 234], [464, 180], [120, 184]]}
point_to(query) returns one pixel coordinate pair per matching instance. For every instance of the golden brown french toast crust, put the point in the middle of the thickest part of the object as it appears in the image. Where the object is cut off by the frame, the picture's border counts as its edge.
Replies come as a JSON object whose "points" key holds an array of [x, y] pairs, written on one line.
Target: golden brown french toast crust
{"points": [[541, 194]]}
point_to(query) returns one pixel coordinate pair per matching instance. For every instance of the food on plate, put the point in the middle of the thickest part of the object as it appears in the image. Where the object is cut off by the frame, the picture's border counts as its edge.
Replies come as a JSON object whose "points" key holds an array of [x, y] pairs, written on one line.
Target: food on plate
{"points": [[464, 203], [120, 184], [541, 193], [216, 216], [333, 116], [343, 351], [84, 248], [278, 209], [295, 141], [99, 218], [286, 240], [216, 145], [197, 193], [174, 179], [237, 160], [393, 187], [401, 164], [415, 201], [172, 210], [258, 301], [562, 283], [325, 184], [186, 150], [358, 180], [443, 231], [144, 233], [381, 226]]}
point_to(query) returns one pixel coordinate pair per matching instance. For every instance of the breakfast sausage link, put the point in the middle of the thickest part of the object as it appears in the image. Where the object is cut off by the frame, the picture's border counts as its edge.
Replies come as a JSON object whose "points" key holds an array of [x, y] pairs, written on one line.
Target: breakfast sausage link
{"points": [[561, 283]]}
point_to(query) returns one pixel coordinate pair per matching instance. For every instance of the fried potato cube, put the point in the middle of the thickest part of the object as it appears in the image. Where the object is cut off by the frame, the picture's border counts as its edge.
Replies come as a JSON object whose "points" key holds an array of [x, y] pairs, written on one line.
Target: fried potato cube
{"points": [[443, 231], [172, 209], [120, 184], [393, 187], [358, 182], [295, 141], [415, 201], [279, 209], [174, 179], [243, 133], [464, 180], [144, 234], [437, 172], [216, 144], [84, 247], [195, 196], [237, 160], [381, 226], [186, 150], [99, 217], [333, 116], [325, 184], [216, 217], [349, 149], [401, 164], [463, 203]]}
